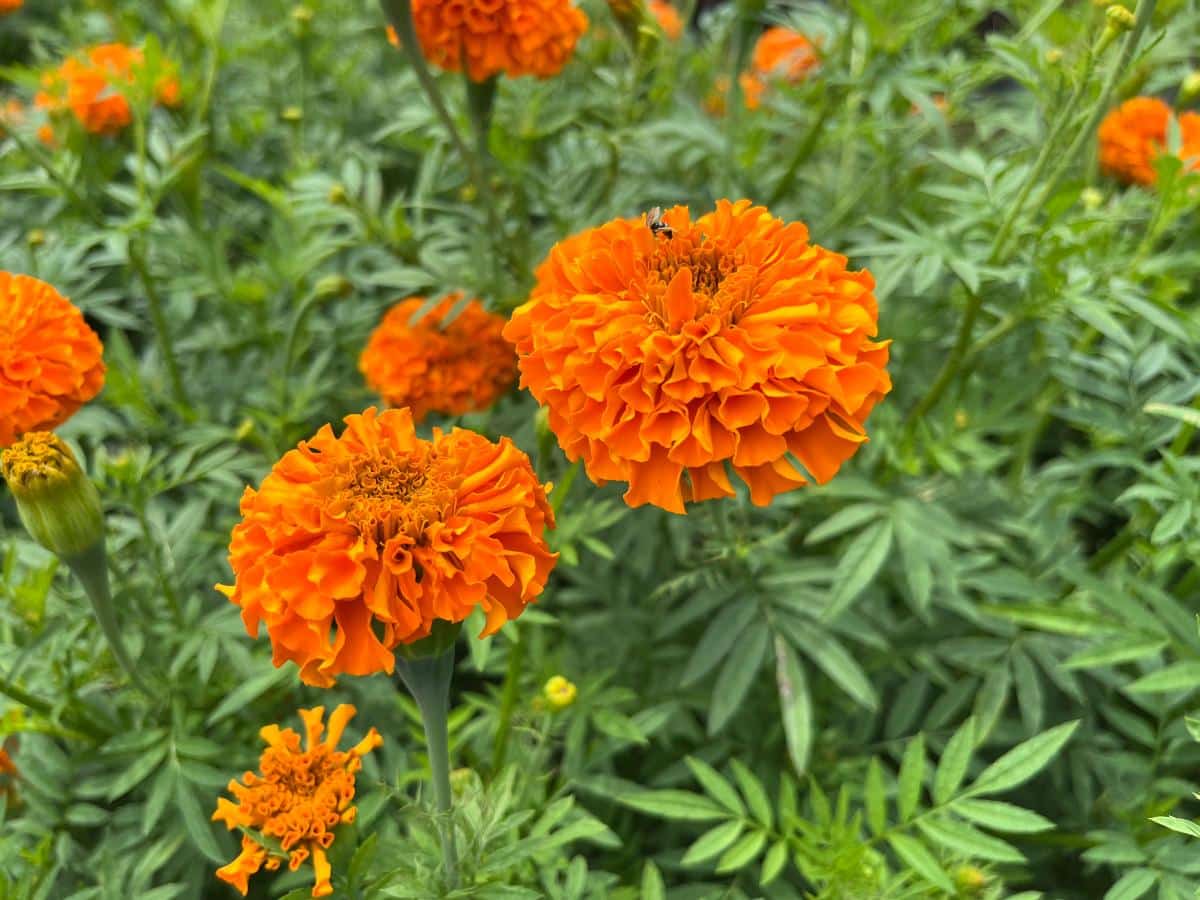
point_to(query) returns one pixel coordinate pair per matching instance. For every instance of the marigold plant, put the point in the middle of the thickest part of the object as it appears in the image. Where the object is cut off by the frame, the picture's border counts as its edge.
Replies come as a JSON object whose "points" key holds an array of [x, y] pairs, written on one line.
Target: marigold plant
{"points": [[489, 37], [358, 543], [463, 366], [1134, 134], [663, 354], [292, 809], [50, 359], [90, 85]]}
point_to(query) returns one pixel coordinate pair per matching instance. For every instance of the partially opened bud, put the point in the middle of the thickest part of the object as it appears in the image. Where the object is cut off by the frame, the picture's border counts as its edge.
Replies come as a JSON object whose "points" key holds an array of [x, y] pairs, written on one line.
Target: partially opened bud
{"points": [[559, 692], [58, 504]]}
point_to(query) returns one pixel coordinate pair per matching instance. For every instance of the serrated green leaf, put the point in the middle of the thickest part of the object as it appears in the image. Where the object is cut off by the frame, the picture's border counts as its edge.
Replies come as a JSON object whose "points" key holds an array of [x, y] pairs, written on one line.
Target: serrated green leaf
{"points": [[737, 675], [952, 767], [718, 639], [673, 804], [1022, 762], [716, 786], [795, 705], [1001, 816], [912, 775], [913, 853], [755, 794], [1183, 826], [712, 842], [874, 797], [744, 852], [773, 863], [1132, 884], [1180, 676], [858, 566], [1114, 652], [653, 887], [964, 839]]}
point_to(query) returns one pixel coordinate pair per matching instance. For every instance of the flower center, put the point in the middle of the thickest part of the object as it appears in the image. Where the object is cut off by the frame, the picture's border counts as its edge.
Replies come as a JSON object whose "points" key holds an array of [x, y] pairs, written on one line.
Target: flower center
{"points": [[398, 494], [720, 284]]}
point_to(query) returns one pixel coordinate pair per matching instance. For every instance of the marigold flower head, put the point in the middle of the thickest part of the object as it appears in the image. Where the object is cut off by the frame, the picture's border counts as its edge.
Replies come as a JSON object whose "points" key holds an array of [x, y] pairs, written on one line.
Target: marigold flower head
{"points": [[90, 87], [487, 37], [356, 544], [50, 359], [668, 18], [10, 6], [464, 366], [664, 356], [1135, 133], [290, 811], [56, 501], [780, 54]]}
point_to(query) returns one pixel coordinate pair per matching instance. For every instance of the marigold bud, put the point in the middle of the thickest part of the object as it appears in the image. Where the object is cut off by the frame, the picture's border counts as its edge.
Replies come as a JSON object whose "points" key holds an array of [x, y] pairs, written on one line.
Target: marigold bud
{"points": [[1091, 198], [559, 692], [35, 238], [58, 504], [1189, 88], [292, 114], [970, 880], [337, 194], [1120, 18], [333, 286], [1054, 55]]}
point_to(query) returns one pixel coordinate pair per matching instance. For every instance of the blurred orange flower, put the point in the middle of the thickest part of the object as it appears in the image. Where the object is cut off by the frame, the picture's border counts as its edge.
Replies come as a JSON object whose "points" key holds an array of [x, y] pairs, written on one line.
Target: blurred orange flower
{"points": [[664, 355], [465, 366], [668, 18], [8, 775], [290, 811], [516, 37], [779, 54], [357, 543], [9, 6], [50, 359], [1135, 133], [89, 86]]}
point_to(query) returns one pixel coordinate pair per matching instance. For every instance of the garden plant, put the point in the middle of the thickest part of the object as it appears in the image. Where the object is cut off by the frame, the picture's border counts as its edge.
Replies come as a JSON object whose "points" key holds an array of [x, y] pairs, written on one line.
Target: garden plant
{"points": [[599, 449]]}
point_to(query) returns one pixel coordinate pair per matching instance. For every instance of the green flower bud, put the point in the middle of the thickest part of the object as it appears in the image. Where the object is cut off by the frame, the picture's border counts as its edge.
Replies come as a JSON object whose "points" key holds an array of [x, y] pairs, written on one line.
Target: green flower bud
{"points": [[1120, 18], [1091, 198], [1189, 88], [333, 286], [57, 502]]}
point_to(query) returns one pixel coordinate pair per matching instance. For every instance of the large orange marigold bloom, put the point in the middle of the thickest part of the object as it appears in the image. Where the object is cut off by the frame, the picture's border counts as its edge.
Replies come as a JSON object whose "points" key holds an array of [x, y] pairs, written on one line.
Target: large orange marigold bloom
{"points": [[487, 37], [1135, 133], [50, 359], [357, 543], [290, 811], [662, 356], [465, 366], [90, 87]]}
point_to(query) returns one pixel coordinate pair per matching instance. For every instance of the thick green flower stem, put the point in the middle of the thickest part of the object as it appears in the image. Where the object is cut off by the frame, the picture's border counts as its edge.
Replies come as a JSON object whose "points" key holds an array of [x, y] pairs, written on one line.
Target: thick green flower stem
{"points": [[428, 680], [91, 568], [481, 99]]}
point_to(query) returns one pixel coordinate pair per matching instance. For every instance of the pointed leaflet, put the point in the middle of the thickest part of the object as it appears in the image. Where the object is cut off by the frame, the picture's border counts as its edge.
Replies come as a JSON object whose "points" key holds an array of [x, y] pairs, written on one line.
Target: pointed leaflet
{"points": [[1023, 761], [794, 703]]}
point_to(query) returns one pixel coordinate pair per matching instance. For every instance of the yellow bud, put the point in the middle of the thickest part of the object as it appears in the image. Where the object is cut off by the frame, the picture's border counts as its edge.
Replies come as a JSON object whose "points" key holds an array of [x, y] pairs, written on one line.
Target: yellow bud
{"points": [[302, 14], [559, 692], [467, 193], [36, 238], [1189, 88], [960, 418], [1054, 56], [57, 503], [970, 880], [292, 114], [1120, 18], [1091, 198], [337, 194], [244, 430]]}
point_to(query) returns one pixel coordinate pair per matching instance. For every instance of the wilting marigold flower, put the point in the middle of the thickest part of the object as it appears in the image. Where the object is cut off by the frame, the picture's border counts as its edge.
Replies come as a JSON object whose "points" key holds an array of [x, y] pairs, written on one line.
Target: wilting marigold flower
{"points": [[465, 366], [50, 359], [90, 87], [516, 37], [1135, 133], [290, 811], [662, 357], [780, 54], [668, 18], [357, 543]]}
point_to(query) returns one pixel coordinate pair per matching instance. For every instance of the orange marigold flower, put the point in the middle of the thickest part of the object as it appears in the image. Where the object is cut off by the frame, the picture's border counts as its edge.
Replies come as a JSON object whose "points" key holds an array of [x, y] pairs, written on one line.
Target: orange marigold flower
{"points": [[8, 776], [89, 86], [357, 543], [465, 366], [516, 37], [10, 6], [50, 359], [1135, 133], [668, 18], [672, 352], [290, 811], [779, 54]]}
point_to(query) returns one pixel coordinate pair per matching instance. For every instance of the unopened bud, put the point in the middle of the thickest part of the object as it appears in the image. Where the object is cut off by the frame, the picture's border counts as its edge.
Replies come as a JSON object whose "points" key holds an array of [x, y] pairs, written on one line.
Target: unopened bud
{"points": [[292, 114], [1091, 198], [35, 238], [1189, 88], [302, 15], [559, 692], [58, 504], [1120, 18], [970, 880], [333, 286], [337, 194], [1054, 56]]}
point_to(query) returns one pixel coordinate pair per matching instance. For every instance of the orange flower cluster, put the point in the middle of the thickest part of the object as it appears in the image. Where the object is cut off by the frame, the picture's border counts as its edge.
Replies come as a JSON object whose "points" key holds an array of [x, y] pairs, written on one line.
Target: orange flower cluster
{"points": [[665, 353], [463, 367], [487, 37], [50, 359], [668, 18], [1135, 133], [780, 54], [10, 6], [90, 87], [357, 544], [290, 811]]}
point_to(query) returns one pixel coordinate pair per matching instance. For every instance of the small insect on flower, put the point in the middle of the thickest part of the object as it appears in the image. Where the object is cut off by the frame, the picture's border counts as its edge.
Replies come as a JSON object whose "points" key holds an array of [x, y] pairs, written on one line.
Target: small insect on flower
{"points": [[654, 221]]}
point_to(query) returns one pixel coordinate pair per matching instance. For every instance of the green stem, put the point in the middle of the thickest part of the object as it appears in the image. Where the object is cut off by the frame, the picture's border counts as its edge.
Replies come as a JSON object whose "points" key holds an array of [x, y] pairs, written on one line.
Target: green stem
{"points": [[508, 699], [428, 680], [91, 568], [137, 262], [44, 708]]}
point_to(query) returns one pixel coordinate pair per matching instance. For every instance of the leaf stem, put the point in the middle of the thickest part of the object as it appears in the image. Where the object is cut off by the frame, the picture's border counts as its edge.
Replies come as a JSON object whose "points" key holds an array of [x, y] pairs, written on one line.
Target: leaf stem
{"points": [[166, 346]]}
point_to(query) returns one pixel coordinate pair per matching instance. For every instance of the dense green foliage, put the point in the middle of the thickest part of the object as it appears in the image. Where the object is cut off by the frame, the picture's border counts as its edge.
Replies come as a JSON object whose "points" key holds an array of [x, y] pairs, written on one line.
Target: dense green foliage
{"points": [[964, 668]]}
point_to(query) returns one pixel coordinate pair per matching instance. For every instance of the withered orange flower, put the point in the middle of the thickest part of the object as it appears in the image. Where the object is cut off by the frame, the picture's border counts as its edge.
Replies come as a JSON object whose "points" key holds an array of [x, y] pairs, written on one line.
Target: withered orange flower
{"points": [[668, 18], [290, 811], [488, 37], [90, 87], [50, 359], [10, 6], [664, 355], [1135, 133], [357, 543], [464, 366], [780, 54]]}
